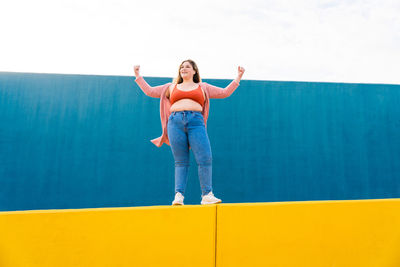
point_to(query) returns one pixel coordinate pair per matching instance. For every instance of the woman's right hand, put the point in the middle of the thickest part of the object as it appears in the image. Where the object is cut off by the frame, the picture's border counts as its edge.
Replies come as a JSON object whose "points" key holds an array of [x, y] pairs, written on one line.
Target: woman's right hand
{"points": [[136, 69]]}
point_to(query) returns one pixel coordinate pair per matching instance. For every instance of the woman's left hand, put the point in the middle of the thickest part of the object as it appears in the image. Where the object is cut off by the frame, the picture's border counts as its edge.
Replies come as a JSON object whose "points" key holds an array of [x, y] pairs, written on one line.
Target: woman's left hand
{"points": [[240, 74], [240, 71]]}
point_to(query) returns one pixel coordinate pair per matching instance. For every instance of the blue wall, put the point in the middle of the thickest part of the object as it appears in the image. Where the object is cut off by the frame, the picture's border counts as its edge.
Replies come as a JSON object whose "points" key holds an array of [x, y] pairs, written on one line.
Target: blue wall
{"points": [[78, 141]]}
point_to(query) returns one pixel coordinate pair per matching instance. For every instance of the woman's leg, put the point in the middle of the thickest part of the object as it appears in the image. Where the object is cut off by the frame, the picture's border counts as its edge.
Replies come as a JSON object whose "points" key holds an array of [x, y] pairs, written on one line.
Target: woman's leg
{"points": [[200, 144], [180, 149]]}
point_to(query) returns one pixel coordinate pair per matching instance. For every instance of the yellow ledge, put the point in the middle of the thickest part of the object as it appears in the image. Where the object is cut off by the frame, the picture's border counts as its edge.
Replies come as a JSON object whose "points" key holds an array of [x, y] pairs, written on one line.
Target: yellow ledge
{"points": [[310, 233]]}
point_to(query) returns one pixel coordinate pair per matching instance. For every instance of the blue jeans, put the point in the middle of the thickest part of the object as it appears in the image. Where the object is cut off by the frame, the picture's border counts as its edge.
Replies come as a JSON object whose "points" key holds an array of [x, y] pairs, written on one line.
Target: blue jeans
{"points": [[184, 128]]}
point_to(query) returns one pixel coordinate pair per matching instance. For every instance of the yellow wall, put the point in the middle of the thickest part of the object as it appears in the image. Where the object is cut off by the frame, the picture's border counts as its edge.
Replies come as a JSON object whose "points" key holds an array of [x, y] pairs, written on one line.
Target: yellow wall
{"points": [[364, 233], [358, 233], [148, 236]]}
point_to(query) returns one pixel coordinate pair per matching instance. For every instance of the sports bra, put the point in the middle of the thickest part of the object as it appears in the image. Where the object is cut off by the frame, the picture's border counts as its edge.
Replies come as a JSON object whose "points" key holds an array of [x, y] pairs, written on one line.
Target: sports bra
{"points": [[196, 95]]}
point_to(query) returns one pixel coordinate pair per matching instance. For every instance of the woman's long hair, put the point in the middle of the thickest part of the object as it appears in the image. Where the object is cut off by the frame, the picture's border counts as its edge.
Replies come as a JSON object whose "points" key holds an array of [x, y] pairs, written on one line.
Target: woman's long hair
{"points": [[196, 76]]}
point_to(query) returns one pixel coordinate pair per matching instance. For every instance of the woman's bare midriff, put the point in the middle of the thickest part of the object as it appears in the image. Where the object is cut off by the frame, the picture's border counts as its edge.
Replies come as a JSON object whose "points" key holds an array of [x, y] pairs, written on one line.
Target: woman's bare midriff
{"points": [[186, 104]]}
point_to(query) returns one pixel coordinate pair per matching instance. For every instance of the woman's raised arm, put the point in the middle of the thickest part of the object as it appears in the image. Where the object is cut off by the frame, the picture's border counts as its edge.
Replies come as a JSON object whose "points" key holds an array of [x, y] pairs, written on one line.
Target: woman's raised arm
{"points": [[218, 92], [155, 91]]}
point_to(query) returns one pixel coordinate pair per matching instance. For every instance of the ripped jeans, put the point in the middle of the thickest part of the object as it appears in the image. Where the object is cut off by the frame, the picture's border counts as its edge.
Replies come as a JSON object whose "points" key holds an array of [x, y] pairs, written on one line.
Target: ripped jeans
{"points": [[187, 128]]}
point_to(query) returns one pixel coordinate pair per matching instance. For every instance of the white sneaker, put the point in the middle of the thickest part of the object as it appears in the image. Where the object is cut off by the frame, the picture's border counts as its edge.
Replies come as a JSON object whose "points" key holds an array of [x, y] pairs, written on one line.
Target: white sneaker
{"points": [[178, 199], [210, 199]]}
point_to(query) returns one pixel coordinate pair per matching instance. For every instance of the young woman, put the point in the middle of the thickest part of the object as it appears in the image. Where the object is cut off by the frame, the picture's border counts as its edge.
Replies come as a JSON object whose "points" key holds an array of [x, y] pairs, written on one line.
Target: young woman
{"points": [[184, 108]]}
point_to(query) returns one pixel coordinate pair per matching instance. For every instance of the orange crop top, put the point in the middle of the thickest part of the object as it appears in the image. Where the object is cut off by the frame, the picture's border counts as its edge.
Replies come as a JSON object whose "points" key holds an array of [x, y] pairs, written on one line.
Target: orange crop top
{"points": [[196, 95]]}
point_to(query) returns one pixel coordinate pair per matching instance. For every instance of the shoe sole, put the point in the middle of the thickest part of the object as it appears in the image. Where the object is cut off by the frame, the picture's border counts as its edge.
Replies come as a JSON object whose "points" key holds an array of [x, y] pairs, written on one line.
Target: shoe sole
{"points": [[206, 203], [177, 204]]}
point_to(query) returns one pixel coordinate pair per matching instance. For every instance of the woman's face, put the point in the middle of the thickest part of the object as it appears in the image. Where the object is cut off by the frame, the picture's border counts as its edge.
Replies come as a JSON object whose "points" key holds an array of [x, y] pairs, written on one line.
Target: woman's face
{"points": [[187, 70]]}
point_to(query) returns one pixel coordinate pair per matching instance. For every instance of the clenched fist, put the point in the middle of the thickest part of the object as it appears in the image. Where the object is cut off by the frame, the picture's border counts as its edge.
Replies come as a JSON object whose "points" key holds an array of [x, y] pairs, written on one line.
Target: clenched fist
{"points": [[240, 71], [136, 69]]}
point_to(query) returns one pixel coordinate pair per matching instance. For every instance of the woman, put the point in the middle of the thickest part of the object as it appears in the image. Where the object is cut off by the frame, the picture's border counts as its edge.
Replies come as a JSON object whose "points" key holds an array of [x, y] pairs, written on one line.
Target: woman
{"points": [[184, 107]]}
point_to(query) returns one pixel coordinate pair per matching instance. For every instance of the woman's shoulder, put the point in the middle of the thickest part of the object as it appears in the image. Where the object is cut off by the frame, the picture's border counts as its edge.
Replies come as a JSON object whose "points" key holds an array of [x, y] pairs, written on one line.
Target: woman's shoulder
{"points": [[171, 86], [203, 84]]}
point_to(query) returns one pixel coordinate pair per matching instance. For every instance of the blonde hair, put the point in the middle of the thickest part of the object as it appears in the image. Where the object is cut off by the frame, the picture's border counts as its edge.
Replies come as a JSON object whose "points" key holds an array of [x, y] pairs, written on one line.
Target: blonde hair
{"points": [[196, 76]]}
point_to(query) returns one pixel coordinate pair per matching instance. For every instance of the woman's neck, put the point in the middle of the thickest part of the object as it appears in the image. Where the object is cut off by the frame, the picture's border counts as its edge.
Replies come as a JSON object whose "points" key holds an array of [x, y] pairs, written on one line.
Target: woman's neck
{"points": [[188, 81]]}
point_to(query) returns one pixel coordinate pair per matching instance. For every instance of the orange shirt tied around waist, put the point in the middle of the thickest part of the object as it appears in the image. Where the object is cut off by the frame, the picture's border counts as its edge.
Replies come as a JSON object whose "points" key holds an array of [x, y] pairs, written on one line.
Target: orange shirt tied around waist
{"points": [[195, 95]]}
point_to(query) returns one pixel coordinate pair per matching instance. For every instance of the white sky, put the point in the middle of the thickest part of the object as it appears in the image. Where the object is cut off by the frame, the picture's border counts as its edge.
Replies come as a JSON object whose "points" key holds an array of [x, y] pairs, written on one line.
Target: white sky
{"points": [[304, 40]]}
